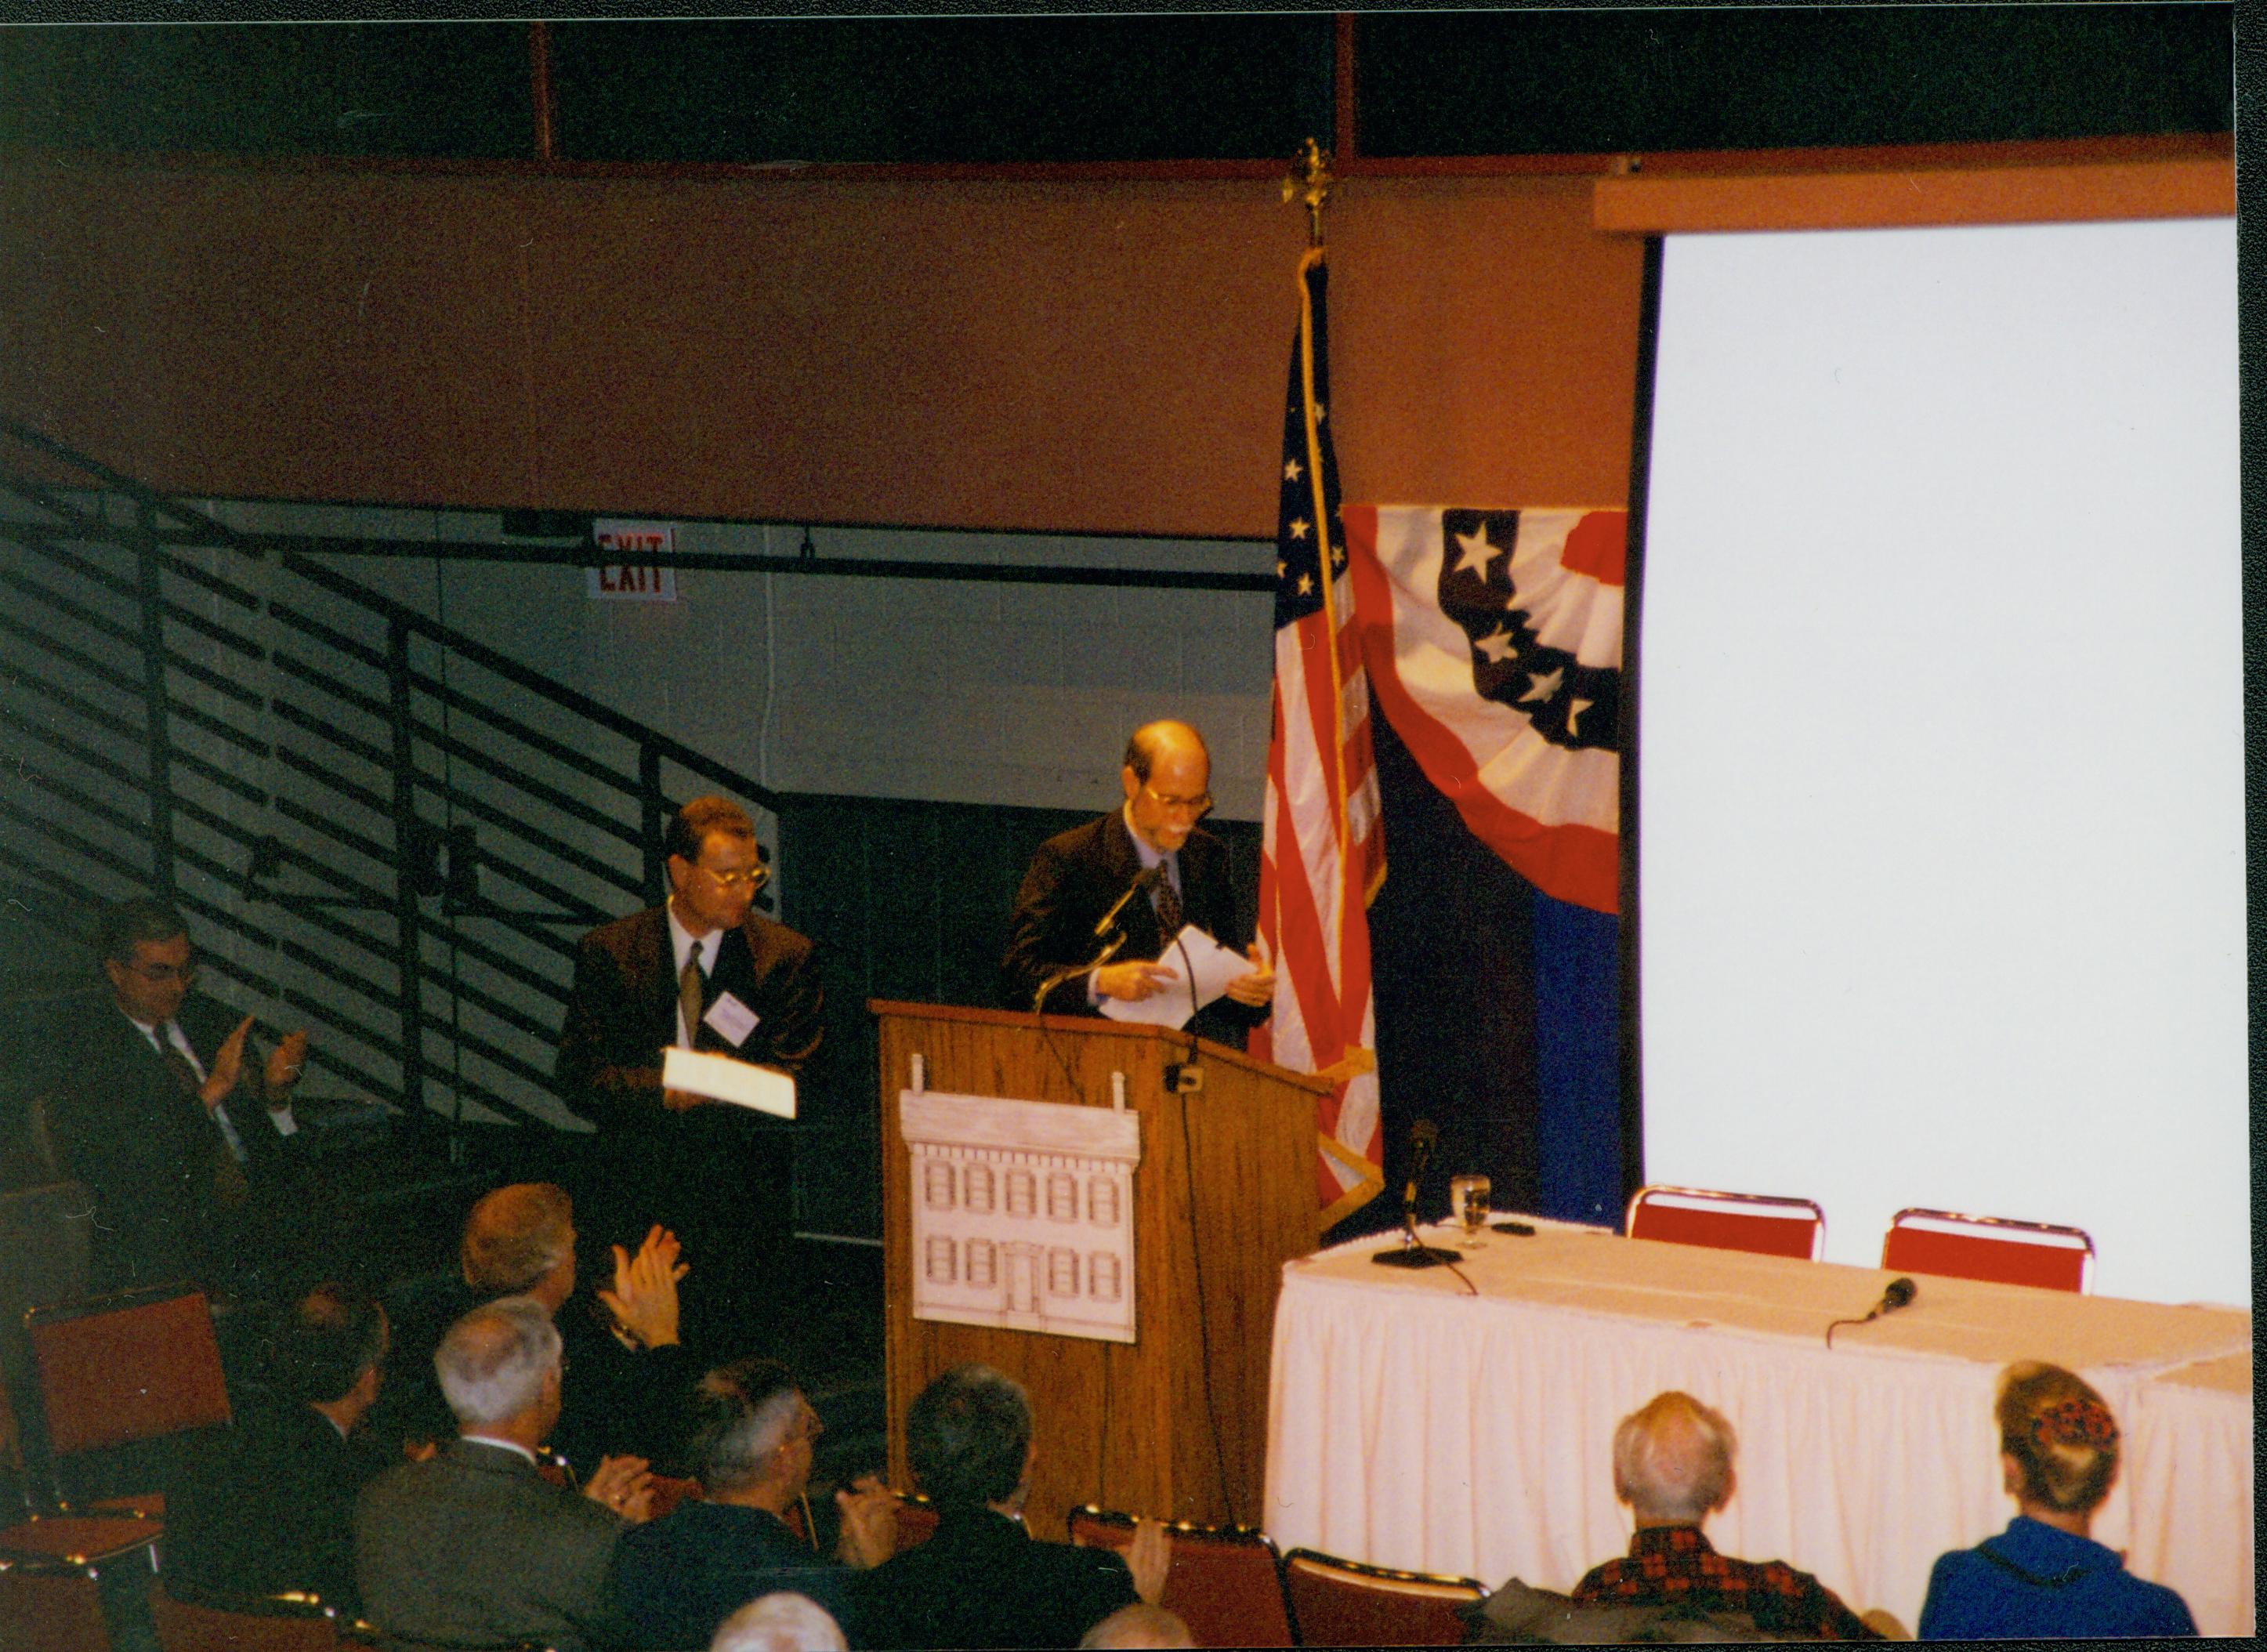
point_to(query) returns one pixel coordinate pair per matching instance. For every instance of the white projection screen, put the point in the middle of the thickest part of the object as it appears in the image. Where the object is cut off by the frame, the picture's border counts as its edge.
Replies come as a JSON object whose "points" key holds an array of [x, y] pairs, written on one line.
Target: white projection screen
{"points": [[1940, 875]]}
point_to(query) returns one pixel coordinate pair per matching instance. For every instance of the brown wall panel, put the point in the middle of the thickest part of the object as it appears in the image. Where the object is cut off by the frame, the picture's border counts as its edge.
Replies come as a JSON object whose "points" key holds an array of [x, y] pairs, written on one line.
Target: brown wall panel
{"points": [[1073, 357]]}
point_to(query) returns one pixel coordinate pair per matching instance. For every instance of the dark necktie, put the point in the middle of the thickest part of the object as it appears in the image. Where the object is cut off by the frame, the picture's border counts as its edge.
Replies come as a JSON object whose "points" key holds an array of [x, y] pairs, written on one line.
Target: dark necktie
{"points": [[689, 997], [1168, 906]]}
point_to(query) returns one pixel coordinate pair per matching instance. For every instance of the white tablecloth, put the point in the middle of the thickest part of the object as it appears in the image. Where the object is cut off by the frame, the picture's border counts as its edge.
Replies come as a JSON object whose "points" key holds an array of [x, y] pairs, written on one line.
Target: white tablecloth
{"points": [[1412, 1424]]}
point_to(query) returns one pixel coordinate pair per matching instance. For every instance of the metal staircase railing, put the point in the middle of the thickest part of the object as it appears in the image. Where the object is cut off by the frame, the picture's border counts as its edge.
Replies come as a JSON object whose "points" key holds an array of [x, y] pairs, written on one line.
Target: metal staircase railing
{"points": [[377, 827]]}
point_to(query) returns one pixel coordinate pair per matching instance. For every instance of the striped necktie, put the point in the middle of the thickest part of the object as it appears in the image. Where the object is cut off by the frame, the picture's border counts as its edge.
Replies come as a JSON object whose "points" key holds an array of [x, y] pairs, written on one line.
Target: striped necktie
{"points": [[1169, 906], [689, 996]]}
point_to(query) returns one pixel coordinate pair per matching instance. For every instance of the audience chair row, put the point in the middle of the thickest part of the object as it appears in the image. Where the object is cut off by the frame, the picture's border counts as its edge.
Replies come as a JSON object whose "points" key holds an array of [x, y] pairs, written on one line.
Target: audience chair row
{"points": [[1918, 1241], [1232, 1588]]}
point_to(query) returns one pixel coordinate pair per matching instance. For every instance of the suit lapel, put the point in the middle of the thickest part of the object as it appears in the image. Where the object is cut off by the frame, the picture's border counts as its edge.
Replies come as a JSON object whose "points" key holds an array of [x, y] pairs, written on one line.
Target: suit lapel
{"points": [[1122, 862]]}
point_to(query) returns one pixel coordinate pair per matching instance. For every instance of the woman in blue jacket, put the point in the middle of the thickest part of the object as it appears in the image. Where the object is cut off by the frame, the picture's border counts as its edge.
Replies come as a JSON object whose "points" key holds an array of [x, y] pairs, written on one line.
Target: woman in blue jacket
{"points": [[2043, 1576]]}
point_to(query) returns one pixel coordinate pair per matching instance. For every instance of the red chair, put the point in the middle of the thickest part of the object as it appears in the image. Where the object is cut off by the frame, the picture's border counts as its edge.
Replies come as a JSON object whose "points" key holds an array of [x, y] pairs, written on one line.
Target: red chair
{"points": [[120, 1371], [1225, 1583], [916, 1521], [1755, 1223], [52, 1598], [1344, 1603], [1994, 1248]]}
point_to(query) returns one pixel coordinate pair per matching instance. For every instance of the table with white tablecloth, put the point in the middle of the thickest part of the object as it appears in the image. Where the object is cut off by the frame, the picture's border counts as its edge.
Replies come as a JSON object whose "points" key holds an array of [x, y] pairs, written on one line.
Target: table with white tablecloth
{"points": [[1414, 1423]]}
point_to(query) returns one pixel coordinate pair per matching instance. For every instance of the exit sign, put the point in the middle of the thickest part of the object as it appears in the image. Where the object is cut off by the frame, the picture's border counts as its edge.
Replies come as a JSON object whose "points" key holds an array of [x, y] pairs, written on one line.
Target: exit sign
{"points": [[628, 574]]}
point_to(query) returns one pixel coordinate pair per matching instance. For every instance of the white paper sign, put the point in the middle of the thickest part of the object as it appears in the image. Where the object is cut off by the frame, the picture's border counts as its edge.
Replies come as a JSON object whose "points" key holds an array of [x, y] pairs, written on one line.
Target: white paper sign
{"points": [[630, 576], [731, 1018], [1192, 949], [721, 1078]]}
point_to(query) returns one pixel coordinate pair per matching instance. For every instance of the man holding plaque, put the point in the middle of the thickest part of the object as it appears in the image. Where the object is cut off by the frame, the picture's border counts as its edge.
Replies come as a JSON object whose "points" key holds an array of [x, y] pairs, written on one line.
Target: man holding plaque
{"points": [[703, 972]]}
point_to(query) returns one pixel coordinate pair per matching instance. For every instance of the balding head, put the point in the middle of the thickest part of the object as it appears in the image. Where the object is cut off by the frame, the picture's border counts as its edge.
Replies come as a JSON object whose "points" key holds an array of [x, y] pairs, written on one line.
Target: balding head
{"points": [[1673, 1460], [1168, 780], [499, 1367], [521, 1238], [1139, 1625]]}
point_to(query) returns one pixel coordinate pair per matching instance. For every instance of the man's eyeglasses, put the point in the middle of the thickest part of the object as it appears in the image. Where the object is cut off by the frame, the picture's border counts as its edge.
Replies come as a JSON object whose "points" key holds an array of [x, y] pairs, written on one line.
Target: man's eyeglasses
{"points": [[751, 879], [1198, 806], [160, 975]]}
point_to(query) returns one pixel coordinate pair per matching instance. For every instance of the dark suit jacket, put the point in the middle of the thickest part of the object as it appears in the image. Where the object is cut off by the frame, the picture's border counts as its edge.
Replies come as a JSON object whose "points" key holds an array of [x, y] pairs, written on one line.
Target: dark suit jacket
{"points": [[119, 1122], [983, 1582], [268, 1504], [623, 1013], [676, 1578], [475, 1546], [1073, 879], [614, 1401]]}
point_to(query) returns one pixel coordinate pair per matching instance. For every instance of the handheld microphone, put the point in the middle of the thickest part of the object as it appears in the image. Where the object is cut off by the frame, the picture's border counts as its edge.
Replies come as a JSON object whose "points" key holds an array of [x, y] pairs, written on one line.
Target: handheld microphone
{"points": [[1142, 885], [1899, 1293]]}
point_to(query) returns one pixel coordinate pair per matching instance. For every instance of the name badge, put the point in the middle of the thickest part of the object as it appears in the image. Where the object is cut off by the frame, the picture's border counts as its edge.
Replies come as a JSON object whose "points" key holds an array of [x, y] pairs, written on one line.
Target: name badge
{"points": [[732, 1018]]}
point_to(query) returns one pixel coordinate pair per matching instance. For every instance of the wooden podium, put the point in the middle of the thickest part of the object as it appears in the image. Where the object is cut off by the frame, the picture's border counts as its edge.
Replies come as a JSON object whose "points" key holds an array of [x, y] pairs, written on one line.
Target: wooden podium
{"points": [[1173, 1424]]}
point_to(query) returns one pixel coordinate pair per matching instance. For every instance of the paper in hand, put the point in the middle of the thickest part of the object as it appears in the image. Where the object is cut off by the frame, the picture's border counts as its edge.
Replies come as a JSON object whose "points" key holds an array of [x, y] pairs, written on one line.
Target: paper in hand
{"points": [[1192, 951], [721, 1078]]}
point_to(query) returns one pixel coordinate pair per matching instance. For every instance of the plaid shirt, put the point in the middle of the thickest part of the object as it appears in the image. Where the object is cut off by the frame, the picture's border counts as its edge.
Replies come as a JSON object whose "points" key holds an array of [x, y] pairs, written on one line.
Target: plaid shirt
{"points": [[1673, 1566]]}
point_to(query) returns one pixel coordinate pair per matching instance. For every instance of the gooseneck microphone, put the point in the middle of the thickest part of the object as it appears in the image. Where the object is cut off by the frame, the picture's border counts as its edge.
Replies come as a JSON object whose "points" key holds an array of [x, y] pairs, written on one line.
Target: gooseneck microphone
{"points": [[1142, 885], [1413, 1252]]}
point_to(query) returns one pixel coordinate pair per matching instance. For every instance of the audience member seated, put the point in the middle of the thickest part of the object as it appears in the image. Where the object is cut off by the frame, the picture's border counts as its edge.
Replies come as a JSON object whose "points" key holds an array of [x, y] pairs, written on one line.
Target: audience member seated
{"points": [[780, 1623], [1139, 1625], [630, 1371], [1673, 1467], [267, 1505], [982, 1580], [676, 1578], [473, 1546], [2043, 1577]]}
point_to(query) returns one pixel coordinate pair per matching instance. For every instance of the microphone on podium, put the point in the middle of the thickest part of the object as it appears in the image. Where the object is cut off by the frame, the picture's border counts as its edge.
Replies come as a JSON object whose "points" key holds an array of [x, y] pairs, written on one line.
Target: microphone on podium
{"points": [[1142, 885], [1413, 1252]]}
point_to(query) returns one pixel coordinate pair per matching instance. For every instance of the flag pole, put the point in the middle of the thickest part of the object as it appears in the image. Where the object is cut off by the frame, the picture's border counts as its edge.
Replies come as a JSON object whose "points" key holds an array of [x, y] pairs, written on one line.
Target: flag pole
{"points": [[1310, 183]]}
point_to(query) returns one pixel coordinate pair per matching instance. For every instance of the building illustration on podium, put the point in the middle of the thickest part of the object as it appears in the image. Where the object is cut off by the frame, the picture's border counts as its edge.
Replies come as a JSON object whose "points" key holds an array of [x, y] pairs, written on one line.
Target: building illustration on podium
{"points": [[1022, 1214]]}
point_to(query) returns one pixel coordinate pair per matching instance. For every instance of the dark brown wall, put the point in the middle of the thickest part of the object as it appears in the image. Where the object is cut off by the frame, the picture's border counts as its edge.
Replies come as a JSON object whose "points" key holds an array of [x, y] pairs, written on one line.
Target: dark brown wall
{"points": [[1059, 355]]}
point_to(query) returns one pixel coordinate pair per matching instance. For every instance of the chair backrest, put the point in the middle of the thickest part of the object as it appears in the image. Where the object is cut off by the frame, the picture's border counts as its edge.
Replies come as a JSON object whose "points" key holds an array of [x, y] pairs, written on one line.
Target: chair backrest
{"points": [[1760, 1222], [1344, 1602], [1990, 1248], [916, 1521], [1226, 1582], [668, 1491], [251, 1622], [50, 1607], [136, 1366]]}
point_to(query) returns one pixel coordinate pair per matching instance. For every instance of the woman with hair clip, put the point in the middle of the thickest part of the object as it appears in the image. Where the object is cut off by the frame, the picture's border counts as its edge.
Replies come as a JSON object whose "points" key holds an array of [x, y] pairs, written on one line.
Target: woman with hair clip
{"points": [[2044, 1576]]}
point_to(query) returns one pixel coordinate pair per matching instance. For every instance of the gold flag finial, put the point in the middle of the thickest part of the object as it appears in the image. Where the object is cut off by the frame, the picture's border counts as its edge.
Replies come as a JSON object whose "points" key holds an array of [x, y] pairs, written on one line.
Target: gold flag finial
{"points": [[1309, 180]]}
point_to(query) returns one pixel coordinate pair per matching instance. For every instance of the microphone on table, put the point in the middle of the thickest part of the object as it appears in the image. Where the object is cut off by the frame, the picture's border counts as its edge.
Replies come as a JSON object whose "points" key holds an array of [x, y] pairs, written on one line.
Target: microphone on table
{"points": [[1895, 1295], [1142, 885], [1413, 1252]]}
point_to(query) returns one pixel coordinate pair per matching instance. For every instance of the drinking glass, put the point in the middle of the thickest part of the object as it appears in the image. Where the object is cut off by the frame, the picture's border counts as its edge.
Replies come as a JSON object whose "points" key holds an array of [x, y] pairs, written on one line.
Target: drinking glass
{"points": [[1468, 1202]]}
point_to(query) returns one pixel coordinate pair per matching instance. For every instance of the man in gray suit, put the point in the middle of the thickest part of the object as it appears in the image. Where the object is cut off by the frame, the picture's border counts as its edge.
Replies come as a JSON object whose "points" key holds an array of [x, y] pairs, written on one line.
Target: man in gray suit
{"points": [[474, 1545]]}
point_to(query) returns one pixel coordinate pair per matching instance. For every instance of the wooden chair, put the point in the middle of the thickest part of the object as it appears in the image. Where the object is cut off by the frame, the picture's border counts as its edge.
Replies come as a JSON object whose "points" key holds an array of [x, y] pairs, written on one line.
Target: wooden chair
{"points": [[1995, 1248], [135, 1369], [211, 1622], [1344, 1603], [1757, 1222], [54, 1597], [668, 1491], [1225, 1583]]}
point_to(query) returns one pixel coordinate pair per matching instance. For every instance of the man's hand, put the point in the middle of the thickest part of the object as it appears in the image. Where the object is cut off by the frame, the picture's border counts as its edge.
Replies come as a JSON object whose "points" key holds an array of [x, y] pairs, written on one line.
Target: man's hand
{"points": [[683, 1101], [284, 1064], [1258, 987], [623, 1485], [643, 1300], [1132, 981], [869, 1524], [227, 1067], [1148, 1557]]}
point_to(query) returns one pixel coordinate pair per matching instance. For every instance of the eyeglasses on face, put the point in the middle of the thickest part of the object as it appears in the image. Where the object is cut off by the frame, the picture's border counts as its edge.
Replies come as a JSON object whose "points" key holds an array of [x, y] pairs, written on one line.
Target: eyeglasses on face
{"points": [[752, 877], [160, 974], [1199, 805]]}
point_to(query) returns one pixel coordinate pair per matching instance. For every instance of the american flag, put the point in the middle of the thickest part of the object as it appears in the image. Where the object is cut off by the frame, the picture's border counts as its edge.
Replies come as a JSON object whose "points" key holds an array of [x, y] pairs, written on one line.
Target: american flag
{"points": [[1324, 856]]}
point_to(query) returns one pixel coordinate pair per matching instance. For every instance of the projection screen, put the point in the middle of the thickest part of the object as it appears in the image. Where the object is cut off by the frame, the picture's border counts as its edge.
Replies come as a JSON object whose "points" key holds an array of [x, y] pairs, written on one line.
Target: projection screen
{"points": [[1940, 806]]}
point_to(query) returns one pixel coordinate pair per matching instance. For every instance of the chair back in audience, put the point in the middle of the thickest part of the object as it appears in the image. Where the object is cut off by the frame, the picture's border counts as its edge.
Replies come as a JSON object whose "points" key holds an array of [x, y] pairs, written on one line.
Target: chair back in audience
{"points": [[1344, 1603], [670, 1490], [244, 1623], [916, 1521], [1226, 1582], [1762, 1224], [120, 1370], [1993, 1248], [53, 1594]]}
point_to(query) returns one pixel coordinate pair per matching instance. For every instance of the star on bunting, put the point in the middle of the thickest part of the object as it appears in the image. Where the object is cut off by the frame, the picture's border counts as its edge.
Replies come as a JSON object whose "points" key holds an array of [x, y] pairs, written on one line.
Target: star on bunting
{"points": [[1545, 686], [1478, 554], [1499, 648]]}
